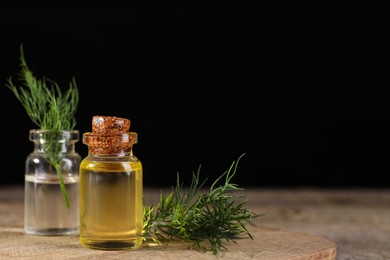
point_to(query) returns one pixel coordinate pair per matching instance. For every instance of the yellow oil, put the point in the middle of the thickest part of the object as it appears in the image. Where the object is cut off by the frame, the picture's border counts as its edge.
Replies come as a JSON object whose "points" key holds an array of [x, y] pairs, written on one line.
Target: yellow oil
{"points": [[111, 204]]}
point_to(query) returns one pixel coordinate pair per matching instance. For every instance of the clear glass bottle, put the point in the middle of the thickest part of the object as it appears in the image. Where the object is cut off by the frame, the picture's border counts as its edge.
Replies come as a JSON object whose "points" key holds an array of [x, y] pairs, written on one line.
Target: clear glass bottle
{"points": [[48, 208], [111, 203]]}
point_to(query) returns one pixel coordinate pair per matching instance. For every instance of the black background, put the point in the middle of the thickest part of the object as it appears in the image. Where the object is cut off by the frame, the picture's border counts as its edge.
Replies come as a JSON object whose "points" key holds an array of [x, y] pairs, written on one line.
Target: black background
{"points": [[302, 93]]}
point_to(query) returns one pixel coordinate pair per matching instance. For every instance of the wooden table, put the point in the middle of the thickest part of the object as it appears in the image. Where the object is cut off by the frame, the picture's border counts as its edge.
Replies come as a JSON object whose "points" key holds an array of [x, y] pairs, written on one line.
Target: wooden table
{"points": [[297, 224]]}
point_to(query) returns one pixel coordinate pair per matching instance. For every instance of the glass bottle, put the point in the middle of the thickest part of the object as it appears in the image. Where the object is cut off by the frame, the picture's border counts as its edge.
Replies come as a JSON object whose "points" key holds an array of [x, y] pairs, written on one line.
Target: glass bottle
{"points": [[111, 203], [49, 207]]}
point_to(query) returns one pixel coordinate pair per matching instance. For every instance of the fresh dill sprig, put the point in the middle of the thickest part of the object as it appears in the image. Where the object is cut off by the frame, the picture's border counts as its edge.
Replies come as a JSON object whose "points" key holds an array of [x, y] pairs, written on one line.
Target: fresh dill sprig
{"points": [[206, 220], [49, 109]]}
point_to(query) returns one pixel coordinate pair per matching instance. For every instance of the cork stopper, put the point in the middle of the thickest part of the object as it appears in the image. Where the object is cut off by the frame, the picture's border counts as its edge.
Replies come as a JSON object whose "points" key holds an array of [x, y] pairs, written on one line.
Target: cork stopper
{"points": [[110, 125], [110, 135]]}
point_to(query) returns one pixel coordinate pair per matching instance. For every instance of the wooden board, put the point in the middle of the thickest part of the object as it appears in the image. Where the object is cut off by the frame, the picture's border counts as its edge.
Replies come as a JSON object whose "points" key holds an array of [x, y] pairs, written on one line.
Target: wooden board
{"points": [[267, 244]]}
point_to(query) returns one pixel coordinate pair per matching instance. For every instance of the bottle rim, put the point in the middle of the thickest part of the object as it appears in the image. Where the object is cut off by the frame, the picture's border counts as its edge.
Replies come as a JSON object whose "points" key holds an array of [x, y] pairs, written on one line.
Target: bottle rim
{"points": [[41, 135]]}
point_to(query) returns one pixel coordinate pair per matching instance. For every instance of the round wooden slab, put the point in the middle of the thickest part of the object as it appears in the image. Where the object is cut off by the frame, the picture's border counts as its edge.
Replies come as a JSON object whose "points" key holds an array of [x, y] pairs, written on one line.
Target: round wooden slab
{"points": [[267, 244]]}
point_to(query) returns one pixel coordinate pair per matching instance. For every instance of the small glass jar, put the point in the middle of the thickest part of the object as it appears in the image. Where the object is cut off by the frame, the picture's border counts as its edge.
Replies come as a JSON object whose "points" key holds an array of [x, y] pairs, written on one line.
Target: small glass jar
{"points": [[111, 202], [51, 203]]}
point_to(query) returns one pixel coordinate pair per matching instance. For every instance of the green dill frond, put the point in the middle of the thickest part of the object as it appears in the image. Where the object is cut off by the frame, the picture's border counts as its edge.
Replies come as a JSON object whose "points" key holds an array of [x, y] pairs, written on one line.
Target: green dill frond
{"points": [[48, 108], [46, 105], [213, 218]]}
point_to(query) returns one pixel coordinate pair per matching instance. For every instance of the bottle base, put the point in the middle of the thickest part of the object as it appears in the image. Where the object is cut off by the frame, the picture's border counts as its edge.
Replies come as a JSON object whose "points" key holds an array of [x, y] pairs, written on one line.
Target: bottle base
{"points": [[52, 231], [111, 245]]}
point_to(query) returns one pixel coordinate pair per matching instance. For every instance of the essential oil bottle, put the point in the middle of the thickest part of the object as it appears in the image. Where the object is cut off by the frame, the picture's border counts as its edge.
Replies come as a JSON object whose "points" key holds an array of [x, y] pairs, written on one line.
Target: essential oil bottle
{"points": [[111, 187], [45, 210]]}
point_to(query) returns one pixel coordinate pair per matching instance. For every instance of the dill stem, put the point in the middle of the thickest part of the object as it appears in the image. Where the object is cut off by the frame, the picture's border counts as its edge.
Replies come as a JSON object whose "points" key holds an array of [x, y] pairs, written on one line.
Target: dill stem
{"points": [[57, 166]]}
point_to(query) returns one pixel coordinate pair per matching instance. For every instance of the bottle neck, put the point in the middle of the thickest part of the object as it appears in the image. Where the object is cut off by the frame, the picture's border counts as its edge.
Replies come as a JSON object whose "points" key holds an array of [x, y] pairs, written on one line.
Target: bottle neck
{"points": [[124, 152], [54, 148], [110, 145], [54, 142]]}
